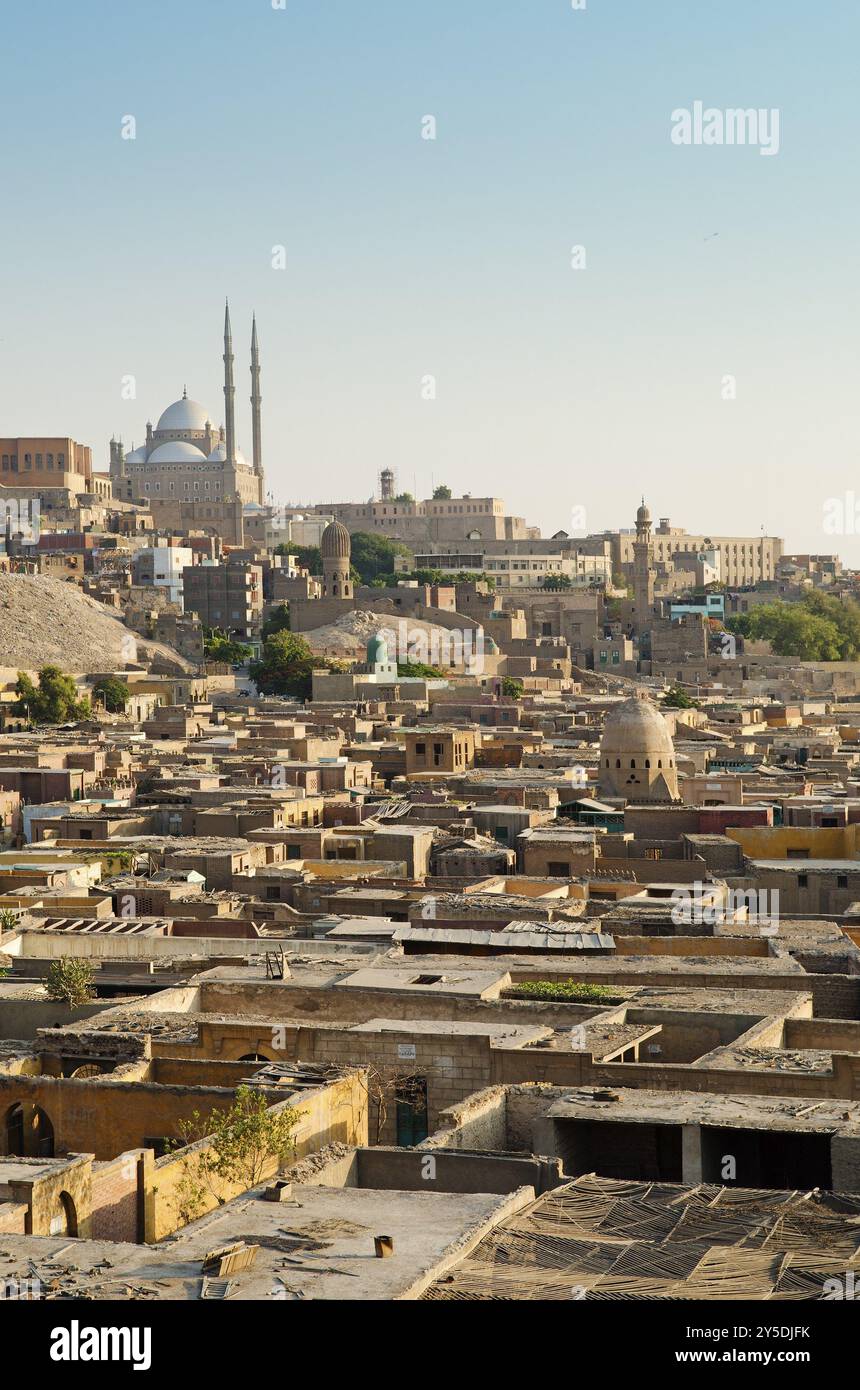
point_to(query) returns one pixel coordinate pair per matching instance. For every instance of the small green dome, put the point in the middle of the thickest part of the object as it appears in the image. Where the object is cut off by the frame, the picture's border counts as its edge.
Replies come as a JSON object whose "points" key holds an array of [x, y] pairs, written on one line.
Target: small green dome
{"points": [[377, 651]]}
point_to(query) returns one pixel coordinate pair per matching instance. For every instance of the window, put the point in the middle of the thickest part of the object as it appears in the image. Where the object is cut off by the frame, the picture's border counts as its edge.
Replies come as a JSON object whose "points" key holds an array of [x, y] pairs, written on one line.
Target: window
{"points": [[841, 880], [802, 880], [557, 868]]}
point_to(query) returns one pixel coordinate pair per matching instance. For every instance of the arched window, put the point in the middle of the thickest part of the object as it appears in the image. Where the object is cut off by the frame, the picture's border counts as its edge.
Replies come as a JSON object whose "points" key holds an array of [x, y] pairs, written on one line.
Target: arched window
{"points": [[632, 762]]}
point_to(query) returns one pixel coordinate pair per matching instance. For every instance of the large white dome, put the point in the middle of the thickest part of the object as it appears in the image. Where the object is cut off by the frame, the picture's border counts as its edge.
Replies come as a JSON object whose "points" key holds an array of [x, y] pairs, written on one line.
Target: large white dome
{"points": [[177, 451], [184, 415]]}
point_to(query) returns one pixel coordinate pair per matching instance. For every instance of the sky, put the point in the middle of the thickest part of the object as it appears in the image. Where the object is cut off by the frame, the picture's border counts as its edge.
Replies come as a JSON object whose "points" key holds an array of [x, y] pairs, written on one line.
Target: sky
{"points": [[428, 312]]}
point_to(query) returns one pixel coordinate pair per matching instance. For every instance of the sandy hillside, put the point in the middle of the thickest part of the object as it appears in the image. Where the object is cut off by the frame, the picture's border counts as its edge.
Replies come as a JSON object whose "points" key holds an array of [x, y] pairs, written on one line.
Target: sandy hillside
{"points": [[347, 638], [47, 621]]}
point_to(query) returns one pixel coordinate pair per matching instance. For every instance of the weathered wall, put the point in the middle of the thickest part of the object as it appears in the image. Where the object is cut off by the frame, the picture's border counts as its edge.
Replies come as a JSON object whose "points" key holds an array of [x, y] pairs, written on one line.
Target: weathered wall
{"points": [[106, 1117], [411, 1170], [479, 1122], [333, 1113]]}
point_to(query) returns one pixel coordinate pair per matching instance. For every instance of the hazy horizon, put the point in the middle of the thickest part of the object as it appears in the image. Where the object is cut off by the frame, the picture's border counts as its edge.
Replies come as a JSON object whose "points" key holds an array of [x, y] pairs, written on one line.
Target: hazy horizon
{"points": [[408, 258]]}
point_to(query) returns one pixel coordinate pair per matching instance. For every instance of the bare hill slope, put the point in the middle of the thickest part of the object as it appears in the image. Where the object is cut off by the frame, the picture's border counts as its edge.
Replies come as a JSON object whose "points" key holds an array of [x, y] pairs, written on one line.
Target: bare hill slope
{"points": [[47, 621]]}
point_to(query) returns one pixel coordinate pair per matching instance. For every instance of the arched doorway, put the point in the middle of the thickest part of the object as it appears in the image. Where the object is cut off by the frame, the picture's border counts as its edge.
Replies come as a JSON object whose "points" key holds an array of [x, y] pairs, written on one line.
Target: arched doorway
{"points": [[14, 1130], [28, 1132], [64, 1221], [42, 1134]]}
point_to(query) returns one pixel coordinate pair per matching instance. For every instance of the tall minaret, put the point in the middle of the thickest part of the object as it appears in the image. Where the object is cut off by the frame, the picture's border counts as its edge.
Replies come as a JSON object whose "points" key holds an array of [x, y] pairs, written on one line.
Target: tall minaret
{"points": [[229, 391], [643, 570], [255, 403]]}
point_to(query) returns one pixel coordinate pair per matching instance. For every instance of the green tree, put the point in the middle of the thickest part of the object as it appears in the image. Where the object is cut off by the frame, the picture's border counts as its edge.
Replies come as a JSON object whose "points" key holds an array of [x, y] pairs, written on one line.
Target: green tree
{"points": [[375, 555], [442, 493], [676, 698], [512, 688], [220, 646], [818, 628], [309, 557], [277, 621], [285, 666], [419, 670], [113, 693], [55, 701], [557, 581], [70, 981], [233, 1148], [404, 497]]}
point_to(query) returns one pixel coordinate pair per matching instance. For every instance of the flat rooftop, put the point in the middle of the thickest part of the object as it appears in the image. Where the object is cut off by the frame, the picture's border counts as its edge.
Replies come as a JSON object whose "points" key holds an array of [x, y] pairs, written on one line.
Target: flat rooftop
{"points": [[318, 1246], [699, 1108]]}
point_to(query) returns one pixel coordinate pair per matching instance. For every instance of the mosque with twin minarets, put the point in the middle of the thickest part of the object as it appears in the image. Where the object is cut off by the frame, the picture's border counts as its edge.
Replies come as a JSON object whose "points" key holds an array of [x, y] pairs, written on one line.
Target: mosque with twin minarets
{"points": [[187, 458]]}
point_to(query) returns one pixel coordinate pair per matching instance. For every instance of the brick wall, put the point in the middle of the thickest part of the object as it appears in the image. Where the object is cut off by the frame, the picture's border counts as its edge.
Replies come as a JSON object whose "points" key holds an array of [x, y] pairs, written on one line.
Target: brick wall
{"points": [[115, 1199]]}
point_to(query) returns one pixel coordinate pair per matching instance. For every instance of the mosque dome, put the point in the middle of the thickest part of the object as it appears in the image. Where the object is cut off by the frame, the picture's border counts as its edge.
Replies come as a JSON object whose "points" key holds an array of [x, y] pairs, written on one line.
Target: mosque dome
{"points": [[335, 543], [636, 726], [136, 456], [219, 455], [637, 755], [177, 451], [184, 414], [643, 516]]}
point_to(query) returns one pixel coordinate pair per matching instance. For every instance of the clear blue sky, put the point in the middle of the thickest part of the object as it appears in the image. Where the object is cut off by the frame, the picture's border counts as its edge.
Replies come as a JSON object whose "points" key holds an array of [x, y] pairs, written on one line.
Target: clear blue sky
{"points": [[556, 388]]}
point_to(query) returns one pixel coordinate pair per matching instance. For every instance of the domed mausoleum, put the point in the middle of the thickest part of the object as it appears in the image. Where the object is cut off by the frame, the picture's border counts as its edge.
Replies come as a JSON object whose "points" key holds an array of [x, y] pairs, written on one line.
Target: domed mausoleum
{"points": [[637, 755], [336, 552]]}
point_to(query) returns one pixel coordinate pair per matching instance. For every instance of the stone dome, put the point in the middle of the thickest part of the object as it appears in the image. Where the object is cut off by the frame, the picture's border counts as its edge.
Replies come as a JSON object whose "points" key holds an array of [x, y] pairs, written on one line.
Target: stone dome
{"points": [[335, 543], [177, 451], [636, 726], [184, 415], [643, 516], [637, 755]]}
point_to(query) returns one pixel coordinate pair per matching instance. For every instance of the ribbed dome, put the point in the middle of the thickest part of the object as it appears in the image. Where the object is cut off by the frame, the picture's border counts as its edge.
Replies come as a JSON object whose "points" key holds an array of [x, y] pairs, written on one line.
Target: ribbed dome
{"points": [[335, 543], [177, 451], [184, 415], [636, 726]]}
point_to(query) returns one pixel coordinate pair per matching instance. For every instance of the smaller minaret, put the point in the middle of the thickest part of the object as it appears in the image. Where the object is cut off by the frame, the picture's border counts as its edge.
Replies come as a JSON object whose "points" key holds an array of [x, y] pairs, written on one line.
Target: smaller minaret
{"points": [[255, 402], [229, 390]]}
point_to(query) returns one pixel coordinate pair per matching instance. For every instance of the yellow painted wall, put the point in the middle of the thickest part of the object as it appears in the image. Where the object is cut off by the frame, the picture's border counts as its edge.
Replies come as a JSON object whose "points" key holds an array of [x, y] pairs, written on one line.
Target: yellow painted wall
{"points": [[761, 842]]}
